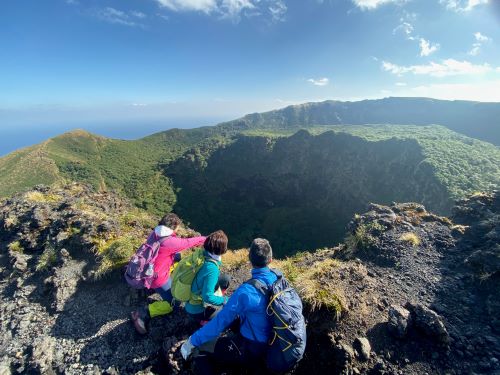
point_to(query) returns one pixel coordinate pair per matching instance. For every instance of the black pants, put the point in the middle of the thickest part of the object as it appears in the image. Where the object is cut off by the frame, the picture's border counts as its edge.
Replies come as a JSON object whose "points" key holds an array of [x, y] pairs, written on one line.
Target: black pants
{"points": [[211, 311], [234, 354]]}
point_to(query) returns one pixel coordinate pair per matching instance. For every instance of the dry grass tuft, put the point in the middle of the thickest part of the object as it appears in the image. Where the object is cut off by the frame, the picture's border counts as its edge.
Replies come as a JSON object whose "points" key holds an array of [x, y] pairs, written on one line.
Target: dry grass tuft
{"points": [[10, 222], [36, 196], [314, 283], [135, 217], [234, 259], [411, 238], [478, 194], [317, 289], [459, 228]]}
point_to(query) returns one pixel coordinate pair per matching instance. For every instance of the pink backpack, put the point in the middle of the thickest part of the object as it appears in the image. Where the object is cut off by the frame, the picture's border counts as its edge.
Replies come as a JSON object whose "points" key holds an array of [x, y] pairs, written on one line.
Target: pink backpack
{"points": [[140, 269]]}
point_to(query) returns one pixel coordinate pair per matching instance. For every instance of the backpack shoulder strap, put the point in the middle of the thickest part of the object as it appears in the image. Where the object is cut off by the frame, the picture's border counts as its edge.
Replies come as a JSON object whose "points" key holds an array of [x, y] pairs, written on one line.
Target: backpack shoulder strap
{"points": [[158, 240], [262, 288], [259, 285], [278, 273], [208, 259]]}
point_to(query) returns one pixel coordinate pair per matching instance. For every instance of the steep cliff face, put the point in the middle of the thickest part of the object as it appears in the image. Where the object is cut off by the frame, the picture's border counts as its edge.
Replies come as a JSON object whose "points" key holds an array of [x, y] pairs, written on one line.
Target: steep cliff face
{"points": [[300, 191]]}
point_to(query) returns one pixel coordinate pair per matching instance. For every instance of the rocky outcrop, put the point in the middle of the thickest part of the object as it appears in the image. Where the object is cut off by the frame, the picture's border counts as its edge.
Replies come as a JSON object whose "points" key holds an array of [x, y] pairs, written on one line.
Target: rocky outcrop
{"points": [[399, 297]]}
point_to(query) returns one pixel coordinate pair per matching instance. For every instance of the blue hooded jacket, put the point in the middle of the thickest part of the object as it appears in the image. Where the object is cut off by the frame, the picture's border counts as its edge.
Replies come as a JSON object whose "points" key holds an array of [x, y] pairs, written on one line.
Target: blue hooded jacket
{"points": [[249, 305]]}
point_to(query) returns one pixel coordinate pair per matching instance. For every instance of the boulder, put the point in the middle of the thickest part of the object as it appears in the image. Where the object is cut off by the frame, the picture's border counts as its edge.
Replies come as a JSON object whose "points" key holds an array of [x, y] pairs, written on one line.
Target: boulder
{"points": [[43, 354], [362, 345], [399, 321], [64, 281], [429, 322], [5, 367], [344, 355]]}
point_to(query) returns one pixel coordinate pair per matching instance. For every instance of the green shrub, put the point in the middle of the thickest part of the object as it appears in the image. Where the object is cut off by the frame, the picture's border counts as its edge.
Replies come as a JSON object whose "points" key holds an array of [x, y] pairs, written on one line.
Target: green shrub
{"points": [[361, 238], [15, 247], [116, 253], [47, 259]]}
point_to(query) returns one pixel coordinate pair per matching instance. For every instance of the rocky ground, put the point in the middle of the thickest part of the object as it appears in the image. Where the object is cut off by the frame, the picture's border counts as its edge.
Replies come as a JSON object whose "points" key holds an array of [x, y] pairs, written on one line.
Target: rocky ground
{"points": [[416, 293]]}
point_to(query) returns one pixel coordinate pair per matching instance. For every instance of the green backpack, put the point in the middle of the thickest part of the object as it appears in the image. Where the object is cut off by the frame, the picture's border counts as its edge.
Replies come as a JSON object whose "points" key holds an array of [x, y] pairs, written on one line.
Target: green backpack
{"points": [[184, 274]]}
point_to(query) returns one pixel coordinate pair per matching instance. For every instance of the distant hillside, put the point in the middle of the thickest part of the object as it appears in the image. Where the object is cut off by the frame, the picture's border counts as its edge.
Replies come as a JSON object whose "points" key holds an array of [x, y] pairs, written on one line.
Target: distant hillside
{"points": [[262, 174], [130, 167], [474, 119]]}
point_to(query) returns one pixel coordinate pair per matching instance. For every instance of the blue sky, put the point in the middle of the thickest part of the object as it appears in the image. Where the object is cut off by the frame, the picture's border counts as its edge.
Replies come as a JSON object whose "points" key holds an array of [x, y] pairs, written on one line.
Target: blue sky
{"points": [[106, 61]]}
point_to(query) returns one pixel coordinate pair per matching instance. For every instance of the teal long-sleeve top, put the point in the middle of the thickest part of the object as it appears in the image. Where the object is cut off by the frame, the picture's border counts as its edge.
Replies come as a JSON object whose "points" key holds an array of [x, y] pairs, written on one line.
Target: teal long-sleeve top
{"points": [[204, 286]]}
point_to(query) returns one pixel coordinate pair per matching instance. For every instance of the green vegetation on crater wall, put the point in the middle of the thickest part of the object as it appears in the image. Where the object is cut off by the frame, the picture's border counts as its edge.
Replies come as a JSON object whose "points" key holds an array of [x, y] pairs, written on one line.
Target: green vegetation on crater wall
{"points": [[152, 172], [462, 164], [299, 191]]}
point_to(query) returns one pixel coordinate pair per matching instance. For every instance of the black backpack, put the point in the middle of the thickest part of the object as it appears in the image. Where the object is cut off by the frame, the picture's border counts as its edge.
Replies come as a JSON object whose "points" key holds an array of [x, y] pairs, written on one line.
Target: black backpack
{"points": [[288, 339]]}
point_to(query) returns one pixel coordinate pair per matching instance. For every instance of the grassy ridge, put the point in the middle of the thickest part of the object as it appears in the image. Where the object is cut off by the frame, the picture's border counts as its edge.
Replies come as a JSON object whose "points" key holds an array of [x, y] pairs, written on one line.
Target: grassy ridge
{"points": [[137, 168]]}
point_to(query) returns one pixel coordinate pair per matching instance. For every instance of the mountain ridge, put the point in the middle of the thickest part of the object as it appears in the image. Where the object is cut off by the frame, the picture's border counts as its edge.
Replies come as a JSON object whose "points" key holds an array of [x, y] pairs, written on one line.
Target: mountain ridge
{"points": [[458, 115], [152, 171]]}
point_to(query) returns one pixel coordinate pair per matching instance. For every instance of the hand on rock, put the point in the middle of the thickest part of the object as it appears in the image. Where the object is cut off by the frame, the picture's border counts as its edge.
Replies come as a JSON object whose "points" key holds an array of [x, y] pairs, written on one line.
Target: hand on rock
{"points": [[187, 349]]}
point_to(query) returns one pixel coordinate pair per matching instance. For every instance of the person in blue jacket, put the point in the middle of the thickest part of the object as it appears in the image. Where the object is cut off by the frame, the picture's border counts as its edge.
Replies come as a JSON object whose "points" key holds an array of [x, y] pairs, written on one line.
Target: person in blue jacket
{"points": [[247, 306]]}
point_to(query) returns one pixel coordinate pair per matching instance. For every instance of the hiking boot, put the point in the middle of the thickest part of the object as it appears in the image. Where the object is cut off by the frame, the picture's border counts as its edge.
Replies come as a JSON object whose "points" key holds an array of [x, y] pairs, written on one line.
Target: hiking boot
{"points": [[141, 318]]}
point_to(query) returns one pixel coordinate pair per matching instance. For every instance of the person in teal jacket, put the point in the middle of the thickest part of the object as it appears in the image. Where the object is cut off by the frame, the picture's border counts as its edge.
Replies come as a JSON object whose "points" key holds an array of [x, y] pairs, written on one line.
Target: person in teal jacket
{"points": [[209, 285]]}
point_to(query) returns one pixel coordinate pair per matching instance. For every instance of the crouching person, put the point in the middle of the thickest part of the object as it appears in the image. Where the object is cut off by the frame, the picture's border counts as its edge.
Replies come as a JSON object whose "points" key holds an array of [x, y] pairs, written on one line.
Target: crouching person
{"points": [[247, 306], [164, 236], [209, 285]]}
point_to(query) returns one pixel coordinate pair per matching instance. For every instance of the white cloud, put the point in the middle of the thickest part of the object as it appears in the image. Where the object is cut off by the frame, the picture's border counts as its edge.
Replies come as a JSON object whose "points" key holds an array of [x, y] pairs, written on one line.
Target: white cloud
{"points": [[476, 48], [462, 5], [137, 14], [480, 91], [372, 4], [480, 40], [405, 27], [278, 10], [230, 9], [233, 8], [205, 6], [116, 16], [319, 82], [449, 67], [400, 84], [426, 48]]}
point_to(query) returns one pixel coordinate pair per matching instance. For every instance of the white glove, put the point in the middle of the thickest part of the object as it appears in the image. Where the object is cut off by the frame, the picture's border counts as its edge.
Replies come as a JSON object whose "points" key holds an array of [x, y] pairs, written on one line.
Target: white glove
{"points": [[187, 349]]}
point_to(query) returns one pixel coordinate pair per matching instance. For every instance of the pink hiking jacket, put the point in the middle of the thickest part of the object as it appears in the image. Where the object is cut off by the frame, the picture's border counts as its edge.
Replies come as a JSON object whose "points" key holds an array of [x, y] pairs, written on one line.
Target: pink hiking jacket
{"points": [[169, 247]]}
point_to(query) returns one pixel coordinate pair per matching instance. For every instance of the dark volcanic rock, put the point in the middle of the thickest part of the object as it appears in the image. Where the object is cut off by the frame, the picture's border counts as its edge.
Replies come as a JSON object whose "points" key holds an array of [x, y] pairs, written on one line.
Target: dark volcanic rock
{"points": [[399, 321], [55, 319], [429, 322]]}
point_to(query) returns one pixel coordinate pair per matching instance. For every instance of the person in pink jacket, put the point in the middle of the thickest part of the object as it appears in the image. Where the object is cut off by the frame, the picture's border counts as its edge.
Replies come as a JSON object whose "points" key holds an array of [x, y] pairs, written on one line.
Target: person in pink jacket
{"points": [[171, 245]]}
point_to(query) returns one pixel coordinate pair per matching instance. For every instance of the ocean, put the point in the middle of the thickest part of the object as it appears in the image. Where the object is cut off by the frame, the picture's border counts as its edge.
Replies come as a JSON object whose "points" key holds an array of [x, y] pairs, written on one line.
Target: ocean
{"points": [[15, 137]]}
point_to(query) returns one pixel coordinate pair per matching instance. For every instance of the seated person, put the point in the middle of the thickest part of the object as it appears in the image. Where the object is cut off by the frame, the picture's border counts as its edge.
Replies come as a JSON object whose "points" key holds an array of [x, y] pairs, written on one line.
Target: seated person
{"points": [[247, 306]]}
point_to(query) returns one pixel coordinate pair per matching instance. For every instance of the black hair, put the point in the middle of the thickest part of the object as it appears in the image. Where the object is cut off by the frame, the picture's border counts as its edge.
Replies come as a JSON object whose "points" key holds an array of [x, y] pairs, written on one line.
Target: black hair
{"points": [[260, 253]]}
